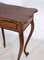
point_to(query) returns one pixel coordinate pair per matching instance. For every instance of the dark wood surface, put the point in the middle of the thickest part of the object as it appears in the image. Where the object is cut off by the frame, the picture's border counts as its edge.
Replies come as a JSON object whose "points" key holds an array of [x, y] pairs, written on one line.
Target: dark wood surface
{"points": [[16, 13], [17, 18]]}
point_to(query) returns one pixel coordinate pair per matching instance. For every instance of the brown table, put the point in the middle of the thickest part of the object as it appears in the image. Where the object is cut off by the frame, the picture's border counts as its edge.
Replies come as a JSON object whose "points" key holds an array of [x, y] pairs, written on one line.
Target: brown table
{"points": [[17, 19]]}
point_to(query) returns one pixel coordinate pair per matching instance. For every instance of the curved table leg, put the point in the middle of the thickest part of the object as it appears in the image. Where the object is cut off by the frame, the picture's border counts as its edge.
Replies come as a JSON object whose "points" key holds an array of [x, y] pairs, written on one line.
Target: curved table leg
{"points": [[3, 37], [21, 44], [32, 28]]}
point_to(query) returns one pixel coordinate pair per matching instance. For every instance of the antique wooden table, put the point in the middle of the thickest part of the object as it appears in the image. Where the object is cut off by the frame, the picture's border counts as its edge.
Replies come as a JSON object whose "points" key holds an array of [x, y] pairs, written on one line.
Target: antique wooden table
{"points": [[17, 19]]}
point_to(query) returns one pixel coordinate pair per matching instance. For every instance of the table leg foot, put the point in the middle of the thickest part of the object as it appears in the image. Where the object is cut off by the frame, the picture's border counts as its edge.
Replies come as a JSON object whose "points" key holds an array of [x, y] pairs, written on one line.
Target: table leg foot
{"points": [[32, 28], [21, 44], [26, 53], [3, 37]]}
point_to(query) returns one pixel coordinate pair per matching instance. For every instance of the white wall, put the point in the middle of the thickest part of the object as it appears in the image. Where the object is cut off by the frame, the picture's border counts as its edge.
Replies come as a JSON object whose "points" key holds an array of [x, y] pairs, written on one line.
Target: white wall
{"points": [[39, 16]]}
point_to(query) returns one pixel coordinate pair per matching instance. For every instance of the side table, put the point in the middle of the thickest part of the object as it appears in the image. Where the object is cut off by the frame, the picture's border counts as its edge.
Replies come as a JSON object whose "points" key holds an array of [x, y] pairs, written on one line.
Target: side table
{"points": [[17, 18]]}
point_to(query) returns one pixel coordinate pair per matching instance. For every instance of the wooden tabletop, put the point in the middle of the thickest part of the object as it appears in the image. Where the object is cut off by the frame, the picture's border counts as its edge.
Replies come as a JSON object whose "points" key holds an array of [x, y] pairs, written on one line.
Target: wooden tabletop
{"points": [[16, 13]]}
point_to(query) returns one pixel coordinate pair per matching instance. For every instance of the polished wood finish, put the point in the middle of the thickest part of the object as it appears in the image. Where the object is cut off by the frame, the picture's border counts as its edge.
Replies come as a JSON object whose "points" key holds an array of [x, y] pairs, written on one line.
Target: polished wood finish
{"points": [[16, 13], [21, 44], [17, 18], [5, 24], [32, 28]]}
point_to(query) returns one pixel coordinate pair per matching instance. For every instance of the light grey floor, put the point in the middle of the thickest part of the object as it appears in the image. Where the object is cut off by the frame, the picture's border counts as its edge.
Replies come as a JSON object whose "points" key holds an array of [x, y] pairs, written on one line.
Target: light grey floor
{"points": [[35, 47]]}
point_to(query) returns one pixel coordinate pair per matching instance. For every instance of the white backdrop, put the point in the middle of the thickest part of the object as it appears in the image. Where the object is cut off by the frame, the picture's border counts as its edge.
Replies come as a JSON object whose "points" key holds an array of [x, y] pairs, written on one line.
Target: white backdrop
{"points": [[39, 16]]}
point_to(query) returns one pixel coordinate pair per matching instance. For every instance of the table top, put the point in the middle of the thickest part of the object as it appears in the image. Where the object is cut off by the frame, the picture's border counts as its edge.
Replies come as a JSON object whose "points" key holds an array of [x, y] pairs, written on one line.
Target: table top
{"points": [[16, 13]]}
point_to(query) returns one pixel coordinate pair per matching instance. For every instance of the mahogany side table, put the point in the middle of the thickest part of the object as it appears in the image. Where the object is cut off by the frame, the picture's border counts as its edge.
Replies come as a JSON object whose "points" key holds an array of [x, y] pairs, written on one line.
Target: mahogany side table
{"points": [[17, 18]]}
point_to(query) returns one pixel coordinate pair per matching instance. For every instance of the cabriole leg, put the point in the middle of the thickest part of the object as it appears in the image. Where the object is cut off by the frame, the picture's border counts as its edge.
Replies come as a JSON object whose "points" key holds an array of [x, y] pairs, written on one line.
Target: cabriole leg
{"points": [[32, 28], [21, 44]]}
